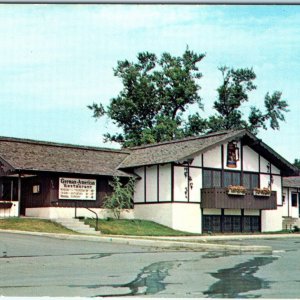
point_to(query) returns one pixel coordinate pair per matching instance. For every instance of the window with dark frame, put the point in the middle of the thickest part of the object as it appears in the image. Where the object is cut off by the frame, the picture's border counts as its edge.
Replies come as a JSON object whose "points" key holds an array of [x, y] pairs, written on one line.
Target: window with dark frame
{"points": [[211, 178], [8, 189], [232, 178], [250, 180], [294, 199]]}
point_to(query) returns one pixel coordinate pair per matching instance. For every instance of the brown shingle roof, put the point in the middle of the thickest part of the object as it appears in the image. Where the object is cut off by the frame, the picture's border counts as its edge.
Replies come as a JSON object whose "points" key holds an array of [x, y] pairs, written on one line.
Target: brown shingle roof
{"points": [[33, 155], [293, 181], [180, 150], [54, 157], [176, 150]]}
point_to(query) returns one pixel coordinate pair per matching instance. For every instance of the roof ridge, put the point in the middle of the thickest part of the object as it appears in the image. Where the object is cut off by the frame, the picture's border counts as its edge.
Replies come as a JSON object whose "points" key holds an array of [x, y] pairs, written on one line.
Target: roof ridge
{"points": [[217, 133], [62, 145]]}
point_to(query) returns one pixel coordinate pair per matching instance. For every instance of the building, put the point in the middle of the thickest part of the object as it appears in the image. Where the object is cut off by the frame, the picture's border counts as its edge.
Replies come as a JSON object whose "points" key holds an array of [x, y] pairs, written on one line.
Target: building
{"points": [[183, 184], [291, 202], [51, 180]]}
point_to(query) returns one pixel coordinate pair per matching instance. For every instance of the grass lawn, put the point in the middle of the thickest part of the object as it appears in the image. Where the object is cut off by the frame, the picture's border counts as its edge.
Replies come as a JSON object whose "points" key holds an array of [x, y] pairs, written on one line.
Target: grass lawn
{"points": [[36, 225], [134, 227]]}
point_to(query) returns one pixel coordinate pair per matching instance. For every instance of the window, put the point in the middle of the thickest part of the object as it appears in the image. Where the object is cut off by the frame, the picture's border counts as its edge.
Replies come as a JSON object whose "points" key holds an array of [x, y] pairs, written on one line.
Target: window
{"points": [[211, 178], [36, 188], [8, 189], [250, 180], [294, 199], [232, 178]]}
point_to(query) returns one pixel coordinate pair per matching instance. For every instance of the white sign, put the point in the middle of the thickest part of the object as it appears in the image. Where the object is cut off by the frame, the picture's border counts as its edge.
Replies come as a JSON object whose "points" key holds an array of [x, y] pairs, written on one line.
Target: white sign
{"points": [[77, 189]]}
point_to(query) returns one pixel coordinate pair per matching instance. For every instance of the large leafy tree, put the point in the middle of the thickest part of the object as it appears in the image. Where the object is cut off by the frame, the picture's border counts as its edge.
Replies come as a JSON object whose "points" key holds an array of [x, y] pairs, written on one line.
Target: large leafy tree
{"points": [[233, 92], [158, 91]]}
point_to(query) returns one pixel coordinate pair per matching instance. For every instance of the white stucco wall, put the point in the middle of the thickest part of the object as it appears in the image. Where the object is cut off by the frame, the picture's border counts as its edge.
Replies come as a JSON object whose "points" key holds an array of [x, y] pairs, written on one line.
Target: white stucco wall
{"points": [[179, 216], [232, 212], [250, 212], [271, 220], [250, 160], [212, 158], [276, 186], [186, 217], [264, 165], [195, 192], [275, 170], [180, 185], [10, 212], [264, 180], [197, 161], [151, 184], [160, 213], [165, 182], [69, 213], [139, 186], [212, 211], [288, 209]]}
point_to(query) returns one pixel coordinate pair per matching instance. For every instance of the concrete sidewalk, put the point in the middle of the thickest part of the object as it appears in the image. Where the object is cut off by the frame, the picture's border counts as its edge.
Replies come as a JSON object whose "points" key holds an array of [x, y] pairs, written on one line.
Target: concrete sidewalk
{"points": [[195, 243]]}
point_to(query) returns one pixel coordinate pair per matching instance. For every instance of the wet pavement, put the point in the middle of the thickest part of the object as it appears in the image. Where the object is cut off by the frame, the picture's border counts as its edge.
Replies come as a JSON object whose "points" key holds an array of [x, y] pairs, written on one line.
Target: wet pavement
{"points": [[43, 266]]}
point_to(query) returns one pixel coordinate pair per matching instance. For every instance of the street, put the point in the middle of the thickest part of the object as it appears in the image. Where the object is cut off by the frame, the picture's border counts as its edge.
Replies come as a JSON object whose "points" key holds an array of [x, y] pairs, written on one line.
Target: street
{"points": [[43, 266]]}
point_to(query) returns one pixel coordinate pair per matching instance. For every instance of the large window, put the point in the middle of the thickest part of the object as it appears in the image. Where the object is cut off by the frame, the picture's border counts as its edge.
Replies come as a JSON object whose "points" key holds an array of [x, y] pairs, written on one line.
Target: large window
{"points": [[8, 189], [232, 178], [250, 181], [211, 178]]}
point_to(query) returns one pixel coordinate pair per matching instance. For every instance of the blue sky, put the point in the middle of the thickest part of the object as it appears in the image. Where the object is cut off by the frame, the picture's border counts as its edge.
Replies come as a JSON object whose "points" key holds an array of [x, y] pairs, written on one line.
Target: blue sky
{"points": [[57, 59]]}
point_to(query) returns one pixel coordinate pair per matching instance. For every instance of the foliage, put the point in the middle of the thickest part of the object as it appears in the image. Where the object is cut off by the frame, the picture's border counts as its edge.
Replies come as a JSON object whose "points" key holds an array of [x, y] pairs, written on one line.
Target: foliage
{"points": [[236, 189], [158, 93], [134, 227], [297, 163], [233, 92], [121, 197], [263, 191]]}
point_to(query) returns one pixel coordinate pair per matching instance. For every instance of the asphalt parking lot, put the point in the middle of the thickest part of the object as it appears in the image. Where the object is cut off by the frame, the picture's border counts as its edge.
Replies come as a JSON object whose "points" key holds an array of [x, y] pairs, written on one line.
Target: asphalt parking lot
{"points": [[44, 266]]}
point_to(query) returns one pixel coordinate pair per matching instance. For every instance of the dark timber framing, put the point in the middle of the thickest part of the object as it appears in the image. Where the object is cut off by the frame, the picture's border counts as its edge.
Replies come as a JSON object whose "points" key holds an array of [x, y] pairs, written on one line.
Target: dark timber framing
{"points": [[145, 184], [172, 182], [157, 170]]}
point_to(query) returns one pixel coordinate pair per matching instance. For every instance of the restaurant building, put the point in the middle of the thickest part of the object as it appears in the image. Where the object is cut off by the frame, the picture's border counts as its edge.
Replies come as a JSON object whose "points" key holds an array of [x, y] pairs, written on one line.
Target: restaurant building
{"points": [[227, 181]]}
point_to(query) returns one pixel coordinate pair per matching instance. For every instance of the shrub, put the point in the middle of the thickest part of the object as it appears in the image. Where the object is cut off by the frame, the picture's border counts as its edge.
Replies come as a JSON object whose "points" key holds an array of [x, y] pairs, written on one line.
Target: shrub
{"points": [[121, 197]]}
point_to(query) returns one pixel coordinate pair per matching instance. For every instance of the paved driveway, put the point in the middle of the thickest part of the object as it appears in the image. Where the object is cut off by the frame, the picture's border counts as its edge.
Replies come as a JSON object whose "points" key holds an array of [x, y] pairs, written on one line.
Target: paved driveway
{"points": [[42, 266]]}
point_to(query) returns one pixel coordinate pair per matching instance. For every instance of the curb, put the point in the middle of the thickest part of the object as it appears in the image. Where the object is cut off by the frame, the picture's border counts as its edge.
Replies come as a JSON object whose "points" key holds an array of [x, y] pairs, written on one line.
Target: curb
{"points": [[157, 243]]}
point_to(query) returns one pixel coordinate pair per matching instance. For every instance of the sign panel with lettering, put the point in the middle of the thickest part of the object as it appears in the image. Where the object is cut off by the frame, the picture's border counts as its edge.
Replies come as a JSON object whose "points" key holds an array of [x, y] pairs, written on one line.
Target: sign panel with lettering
{"points": [[77, 189]]}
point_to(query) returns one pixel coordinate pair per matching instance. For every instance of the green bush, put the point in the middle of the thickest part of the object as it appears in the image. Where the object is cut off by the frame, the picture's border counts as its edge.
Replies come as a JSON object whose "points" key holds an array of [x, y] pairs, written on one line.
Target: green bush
{"points": [[121, 198]]}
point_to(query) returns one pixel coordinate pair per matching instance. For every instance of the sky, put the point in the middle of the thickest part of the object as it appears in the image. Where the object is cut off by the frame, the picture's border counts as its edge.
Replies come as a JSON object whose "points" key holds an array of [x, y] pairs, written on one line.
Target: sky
{"points": [[57, 59]]}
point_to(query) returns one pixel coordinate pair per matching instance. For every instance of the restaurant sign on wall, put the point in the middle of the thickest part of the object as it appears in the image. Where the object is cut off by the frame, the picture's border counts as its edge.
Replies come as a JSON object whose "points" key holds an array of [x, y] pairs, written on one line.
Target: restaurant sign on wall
{"points": [[77, 189]]}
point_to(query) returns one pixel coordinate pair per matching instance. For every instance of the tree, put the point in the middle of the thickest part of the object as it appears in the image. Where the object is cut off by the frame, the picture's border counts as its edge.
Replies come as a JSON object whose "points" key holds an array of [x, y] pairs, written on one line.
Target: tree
{"points": [[157, 93], [297, 163], [233, 92], [121, 197]]}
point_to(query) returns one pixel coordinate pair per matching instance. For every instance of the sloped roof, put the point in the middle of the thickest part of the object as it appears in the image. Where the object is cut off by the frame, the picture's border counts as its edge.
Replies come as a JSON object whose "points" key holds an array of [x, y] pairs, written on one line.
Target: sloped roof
{"points": [[30, 155], [181, 150], [293, 181], [176, 150]]}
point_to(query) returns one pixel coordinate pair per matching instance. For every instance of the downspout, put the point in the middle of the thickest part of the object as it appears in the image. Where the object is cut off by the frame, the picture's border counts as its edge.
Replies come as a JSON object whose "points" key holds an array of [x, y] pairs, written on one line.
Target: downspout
{"points": [[288, 200], [19, 195]]}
